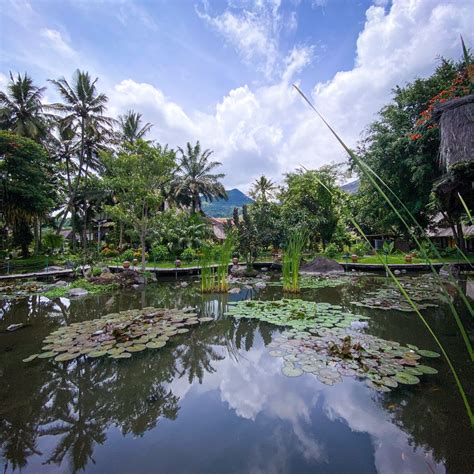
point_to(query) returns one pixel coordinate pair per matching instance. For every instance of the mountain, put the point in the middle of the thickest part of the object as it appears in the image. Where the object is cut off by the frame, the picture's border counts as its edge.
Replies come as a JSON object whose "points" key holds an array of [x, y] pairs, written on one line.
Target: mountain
{"points": [[223, 208], [352, 187]]}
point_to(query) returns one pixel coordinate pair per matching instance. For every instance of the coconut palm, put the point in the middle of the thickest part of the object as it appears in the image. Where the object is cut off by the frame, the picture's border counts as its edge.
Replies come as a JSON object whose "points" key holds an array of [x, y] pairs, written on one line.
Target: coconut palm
{"points": [[263, 189], [83, 108], [21, 110], [194, 179], [131, 128]]}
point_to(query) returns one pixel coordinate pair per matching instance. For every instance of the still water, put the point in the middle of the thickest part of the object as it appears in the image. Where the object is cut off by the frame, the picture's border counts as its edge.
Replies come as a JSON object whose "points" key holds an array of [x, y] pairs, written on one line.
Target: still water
{"points": [[214, 401]]}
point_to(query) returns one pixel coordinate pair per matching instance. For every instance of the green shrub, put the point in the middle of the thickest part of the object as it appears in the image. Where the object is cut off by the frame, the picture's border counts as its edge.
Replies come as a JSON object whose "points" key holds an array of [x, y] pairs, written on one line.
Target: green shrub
{"points": [[188, 254], [52, 241], [160, 253], [360, 249], [449, 252], [331, 250], [128, 255]]}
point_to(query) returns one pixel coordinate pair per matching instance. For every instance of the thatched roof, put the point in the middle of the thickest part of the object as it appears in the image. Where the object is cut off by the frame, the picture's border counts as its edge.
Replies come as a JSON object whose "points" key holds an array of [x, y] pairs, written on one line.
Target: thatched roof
{"points": [[456, 121]]}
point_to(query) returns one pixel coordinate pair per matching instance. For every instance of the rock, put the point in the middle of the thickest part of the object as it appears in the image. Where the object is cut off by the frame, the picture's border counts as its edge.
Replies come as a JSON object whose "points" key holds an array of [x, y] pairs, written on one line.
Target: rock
{"points": [[107, 276], [53, 269], [235, 290], [237, 270], [183, 284], [451, 269], [77, 292], [264, 269], [60, 284], [322, 265], [248, 287], [135, 287], [397, 272], [260, 285], [14, 327]]}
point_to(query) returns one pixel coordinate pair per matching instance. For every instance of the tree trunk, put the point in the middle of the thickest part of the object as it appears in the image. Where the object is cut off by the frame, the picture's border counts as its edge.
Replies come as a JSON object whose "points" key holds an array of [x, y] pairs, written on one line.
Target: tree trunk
{"points": [[142, 243], [36, 234]]}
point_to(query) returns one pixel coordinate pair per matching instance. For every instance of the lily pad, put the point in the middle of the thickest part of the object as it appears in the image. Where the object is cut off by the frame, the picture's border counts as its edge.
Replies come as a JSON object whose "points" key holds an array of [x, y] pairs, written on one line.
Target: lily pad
{"points": [[425, 353], [406, 378], [47, 355], [291, 371], [66, 357], [426, 369]]}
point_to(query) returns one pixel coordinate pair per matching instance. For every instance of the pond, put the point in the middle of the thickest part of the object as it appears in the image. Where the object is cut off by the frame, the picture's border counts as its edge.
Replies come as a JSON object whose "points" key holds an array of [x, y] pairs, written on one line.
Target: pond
{"points": [[215, 400]]}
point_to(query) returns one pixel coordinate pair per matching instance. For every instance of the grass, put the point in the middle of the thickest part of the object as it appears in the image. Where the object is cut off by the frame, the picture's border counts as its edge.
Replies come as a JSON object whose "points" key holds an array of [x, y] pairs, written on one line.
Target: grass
{"points": [[292, 261]]}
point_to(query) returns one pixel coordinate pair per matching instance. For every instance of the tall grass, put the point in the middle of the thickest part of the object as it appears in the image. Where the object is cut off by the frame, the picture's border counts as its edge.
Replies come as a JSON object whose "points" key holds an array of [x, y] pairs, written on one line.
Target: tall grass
{"points": [[375, 180], [292, 261], [212, 279], [207, 270], [223, 260]]}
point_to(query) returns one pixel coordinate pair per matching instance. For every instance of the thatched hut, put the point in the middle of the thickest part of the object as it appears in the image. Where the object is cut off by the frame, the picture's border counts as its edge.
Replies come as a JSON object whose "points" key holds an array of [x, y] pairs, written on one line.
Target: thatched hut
{"points": [[456, 123]]}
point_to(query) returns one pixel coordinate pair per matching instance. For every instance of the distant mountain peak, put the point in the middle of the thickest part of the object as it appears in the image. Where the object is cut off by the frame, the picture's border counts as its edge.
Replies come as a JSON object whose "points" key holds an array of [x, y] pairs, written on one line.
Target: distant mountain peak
{"points": [[223, 208]]}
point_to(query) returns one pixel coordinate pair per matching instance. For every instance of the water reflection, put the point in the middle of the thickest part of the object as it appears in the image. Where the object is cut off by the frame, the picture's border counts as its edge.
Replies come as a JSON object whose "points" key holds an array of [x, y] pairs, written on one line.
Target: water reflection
{"points": [[214, 398]]}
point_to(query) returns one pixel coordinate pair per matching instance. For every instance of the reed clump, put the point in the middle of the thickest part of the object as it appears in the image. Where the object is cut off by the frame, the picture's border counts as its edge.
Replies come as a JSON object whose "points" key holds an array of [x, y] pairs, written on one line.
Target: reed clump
{"points": [[291, 262]]}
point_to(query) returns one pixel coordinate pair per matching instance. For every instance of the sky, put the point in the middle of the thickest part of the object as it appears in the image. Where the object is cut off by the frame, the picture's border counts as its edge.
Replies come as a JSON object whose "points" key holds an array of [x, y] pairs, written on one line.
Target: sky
{"points": [[221, 71]]}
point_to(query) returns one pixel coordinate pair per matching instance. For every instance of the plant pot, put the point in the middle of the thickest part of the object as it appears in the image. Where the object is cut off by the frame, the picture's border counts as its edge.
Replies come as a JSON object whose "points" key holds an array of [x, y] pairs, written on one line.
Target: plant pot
{"points": [[408, 258], [354, 258], [177, 263], [235, 261], [126, 264]]}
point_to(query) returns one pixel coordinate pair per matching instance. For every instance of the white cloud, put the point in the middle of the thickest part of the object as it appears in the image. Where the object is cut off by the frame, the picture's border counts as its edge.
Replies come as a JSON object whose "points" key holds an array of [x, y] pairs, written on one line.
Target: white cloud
{"points": [[57, 42], [254, 31], [268, 129]]}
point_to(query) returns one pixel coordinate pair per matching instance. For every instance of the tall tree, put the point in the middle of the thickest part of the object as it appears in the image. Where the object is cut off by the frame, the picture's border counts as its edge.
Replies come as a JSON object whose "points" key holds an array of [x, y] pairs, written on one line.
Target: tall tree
{"points": [[131, 128], [26, 185], [402, 147], [83, 107], [308, 205], [138, 175], [263, 189], [194, 178], [21, 110]]}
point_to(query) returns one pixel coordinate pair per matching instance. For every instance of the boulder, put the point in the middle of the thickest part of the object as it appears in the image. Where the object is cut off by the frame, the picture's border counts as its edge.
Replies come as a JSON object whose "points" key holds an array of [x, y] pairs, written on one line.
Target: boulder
{"points": [[260, 285], [77, 292], [60, 284], [322, 265], [107, 276]]}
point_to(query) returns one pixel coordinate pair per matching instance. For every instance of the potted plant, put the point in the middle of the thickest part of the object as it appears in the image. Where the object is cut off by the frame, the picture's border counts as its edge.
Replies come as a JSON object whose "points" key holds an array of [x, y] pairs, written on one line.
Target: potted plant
{"points": [[126, 264], [408, 258], [354, 258]]}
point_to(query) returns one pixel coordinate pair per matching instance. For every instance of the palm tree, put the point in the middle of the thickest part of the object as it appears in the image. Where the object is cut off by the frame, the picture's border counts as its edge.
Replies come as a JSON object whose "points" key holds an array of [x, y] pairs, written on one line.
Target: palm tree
{"points": [[263, 189], [21, 110], [195, 180], [83, 108], [131, 128]]}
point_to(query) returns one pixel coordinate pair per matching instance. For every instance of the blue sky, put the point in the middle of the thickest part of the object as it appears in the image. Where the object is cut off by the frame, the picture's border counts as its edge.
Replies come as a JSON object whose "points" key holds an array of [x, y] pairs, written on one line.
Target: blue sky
{"points": [[221, 71]]}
